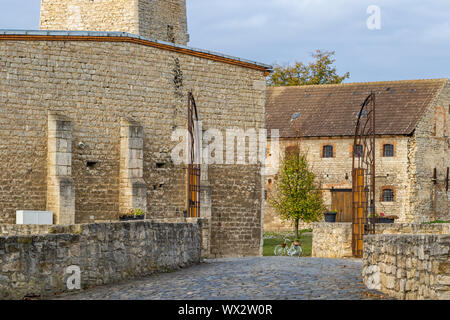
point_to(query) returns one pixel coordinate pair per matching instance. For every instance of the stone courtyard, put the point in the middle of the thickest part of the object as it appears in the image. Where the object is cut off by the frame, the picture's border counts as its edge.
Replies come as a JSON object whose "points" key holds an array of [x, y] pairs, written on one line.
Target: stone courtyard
{"points": [[255, 278]]}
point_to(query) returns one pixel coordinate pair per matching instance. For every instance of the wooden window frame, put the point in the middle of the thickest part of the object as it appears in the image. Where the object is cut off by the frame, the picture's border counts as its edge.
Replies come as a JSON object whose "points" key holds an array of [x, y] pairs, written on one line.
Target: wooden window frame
{"points": [[385, 142], [322, 149], [384, 150], [394, 191]]}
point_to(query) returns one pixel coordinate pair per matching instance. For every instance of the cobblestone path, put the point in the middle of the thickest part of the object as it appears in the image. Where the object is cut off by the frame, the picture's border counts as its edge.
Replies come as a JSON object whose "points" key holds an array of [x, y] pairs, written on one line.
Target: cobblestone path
{"points": [[271, 278]]}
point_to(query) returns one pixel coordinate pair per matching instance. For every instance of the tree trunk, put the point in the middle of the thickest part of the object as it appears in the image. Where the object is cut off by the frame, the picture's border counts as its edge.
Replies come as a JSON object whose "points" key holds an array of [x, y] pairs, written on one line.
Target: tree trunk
{"points": [[296, 228]]}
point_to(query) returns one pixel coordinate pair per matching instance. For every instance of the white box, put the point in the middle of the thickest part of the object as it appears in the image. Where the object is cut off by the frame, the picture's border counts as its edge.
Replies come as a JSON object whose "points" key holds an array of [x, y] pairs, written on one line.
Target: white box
{"points": [[34, 217]]}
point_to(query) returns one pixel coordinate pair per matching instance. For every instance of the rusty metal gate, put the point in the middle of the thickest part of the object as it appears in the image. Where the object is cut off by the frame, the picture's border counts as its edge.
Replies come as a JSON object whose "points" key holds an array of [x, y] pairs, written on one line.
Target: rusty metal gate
{"points": [[193, 170], [363, 175]]}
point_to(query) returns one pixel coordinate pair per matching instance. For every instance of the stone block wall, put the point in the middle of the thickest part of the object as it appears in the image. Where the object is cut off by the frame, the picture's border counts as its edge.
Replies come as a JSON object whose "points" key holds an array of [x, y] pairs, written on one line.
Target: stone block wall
{"points": [[205, 227], [430, 150], [96, 84], [408, 267], [334, 240], [337, 173], [164, 20], [99, 15], [36, 265]]}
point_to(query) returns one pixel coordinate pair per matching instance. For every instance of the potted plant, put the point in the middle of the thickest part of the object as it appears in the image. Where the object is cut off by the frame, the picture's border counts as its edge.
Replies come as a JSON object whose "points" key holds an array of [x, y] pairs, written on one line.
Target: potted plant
{"points": [[330, 216], [133, 214], [139, 214], [382, 218]]}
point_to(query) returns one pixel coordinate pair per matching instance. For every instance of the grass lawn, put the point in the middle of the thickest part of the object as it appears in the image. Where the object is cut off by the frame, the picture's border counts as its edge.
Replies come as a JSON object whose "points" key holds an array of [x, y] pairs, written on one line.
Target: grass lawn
{"points": [[272, 239], [437, 222]]}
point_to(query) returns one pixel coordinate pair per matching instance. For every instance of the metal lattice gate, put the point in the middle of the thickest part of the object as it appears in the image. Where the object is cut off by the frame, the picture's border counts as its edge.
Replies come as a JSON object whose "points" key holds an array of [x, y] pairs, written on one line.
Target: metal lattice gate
{"points": [[363, 176], [193, 170]]}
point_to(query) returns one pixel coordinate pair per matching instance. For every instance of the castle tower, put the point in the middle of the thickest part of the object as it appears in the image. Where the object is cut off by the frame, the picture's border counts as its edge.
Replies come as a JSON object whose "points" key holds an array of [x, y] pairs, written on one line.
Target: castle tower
{"points": [[157, 19]]}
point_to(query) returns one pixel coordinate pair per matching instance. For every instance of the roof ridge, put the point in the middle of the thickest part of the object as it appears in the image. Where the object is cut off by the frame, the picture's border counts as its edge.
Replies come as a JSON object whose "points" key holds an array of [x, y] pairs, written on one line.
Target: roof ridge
{"points": [[443, 80]]}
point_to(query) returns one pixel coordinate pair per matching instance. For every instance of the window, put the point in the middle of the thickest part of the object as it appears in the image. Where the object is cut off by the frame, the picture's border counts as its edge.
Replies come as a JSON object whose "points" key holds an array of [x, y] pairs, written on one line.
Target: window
{"points": [[388, 150], [388, 195], [359, 151], [328, 152]]}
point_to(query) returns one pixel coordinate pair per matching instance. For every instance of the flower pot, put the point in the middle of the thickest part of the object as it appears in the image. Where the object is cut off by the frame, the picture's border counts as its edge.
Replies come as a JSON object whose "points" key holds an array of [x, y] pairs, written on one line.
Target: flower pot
{"points": [[330, 217], [127, 218], [385, 220]]}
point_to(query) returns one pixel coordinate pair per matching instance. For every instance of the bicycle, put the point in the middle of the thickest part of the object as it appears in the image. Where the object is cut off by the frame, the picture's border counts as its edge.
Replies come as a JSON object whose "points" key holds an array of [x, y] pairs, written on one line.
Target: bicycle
{"points": [[284, 250]]}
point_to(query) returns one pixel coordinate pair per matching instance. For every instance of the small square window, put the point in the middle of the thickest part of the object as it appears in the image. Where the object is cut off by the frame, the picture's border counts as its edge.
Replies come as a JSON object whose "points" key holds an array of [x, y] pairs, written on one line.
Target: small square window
{"points": [[388, 150], [388, 195], [359, 151], [328, 152]]}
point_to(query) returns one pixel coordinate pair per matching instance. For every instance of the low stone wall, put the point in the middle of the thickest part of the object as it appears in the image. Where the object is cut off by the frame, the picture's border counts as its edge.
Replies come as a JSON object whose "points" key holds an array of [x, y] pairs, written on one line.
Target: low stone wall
{"points": [[36, 265], [24, 230], [206, 230], [411, 267], [334, 240], [412, 228]]}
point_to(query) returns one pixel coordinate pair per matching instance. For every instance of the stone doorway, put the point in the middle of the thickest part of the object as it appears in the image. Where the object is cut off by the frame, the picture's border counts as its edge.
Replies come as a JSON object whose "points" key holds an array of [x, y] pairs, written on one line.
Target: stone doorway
{"points": [[342, 202]]}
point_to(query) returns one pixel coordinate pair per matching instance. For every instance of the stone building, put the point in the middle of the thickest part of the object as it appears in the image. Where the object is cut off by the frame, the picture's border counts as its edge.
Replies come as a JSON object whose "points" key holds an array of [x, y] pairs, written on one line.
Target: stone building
{"points": [[87, 117], [412, 144]]}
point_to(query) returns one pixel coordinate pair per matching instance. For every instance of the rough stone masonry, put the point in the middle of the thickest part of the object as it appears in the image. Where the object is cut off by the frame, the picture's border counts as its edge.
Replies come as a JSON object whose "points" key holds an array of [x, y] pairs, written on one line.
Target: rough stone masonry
{"points": [[37, 265], [86, 120]]}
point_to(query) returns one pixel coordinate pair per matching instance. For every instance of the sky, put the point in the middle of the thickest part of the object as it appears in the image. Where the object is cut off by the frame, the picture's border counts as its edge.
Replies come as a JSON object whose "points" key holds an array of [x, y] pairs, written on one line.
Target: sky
{"points": [[413, 41]]}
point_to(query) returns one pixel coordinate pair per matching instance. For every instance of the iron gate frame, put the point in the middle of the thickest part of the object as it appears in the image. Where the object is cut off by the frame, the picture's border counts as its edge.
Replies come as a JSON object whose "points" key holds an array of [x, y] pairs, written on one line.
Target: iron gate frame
{"points": [[193, 169], [363, 175]]}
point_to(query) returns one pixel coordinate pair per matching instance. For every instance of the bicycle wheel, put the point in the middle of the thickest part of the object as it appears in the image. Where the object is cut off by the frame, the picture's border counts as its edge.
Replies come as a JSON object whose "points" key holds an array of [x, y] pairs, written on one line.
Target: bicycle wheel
{"points": [[295, 250], [278, 250]]}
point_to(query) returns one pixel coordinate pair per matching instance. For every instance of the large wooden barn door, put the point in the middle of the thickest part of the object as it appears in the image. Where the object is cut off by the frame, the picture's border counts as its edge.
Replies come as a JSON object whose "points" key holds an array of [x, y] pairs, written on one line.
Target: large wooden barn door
{"points": [[363, 175], [193, 170], [341, 202]]}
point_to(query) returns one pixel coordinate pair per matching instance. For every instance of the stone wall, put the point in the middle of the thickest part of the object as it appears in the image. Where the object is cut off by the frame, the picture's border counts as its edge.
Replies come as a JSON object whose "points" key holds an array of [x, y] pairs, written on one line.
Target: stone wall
{"points": [[105, 253], [24, 230], [97, 84], [411, 267], [99, 15], [334, 240], [206, 231], [337, 173], [430, 150], [164, 20]]}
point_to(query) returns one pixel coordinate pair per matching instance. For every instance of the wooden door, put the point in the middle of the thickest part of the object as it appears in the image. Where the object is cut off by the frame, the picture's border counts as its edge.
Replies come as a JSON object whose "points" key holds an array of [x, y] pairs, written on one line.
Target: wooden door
{"points": [[342, 202]]}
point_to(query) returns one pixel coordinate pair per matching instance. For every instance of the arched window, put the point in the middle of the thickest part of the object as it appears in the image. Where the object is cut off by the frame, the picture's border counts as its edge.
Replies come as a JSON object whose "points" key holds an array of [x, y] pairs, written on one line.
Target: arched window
{"points": [[388, 150], [328, 152], [388, 195]]}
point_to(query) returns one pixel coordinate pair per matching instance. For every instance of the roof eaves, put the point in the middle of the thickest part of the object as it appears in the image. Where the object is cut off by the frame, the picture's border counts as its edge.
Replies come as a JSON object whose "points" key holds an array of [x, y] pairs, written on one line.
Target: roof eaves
{"points": [[126, 35]]}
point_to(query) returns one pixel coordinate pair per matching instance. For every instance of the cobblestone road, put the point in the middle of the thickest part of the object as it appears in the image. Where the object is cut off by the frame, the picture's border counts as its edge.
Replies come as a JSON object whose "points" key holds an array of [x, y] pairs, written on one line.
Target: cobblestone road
{"points": [[273, 278]]}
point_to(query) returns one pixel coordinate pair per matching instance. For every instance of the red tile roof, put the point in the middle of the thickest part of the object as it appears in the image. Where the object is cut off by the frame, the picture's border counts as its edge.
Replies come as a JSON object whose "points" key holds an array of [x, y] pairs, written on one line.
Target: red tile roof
{"points": [[331, 110]]}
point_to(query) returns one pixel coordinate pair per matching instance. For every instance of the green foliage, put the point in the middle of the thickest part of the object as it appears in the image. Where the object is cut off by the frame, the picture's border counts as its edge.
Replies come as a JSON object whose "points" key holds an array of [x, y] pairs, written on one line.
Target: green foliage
{"points": [[321, 71], [436, 222], [135, 213], [296, 194]]}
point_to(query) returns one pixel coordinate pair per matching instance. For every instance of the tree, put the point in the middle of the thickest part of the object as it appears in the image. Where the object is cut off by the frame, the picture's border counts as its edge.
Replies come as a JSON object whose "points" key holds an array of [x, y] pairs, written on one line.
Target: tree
{"points": [[321, 71], [297, 195]]}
